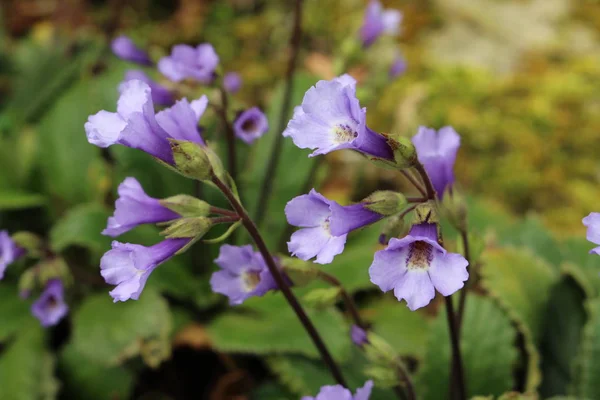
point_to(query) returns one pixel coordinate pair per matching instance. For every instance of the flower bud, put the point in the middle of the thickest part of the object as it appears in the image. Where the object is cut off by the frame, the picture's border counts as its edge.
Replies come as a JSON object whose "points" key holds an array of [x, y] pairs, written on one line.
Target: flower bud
{"points": [[394, 227], [186, 205], [426, 213], [405, 154], [385, 202], [195, 227], [191, 160], [455, 209], [299, 271], [28, 241], [322, 297]]}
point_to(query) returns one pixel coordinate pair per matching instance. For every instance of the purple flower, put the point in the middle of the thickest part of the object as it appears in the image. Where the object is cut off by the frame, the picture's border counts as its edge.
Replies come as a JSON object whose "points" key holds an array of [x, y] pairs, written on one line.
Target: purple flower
{"points": [[378, 21], [243, 274], [398, 67], [160, 94], [9, 252], [129, 265], [348, 218], [338, 392], [250, 125], [312, 212], [358, 335], [437, 152], [50, 307], [134, 207], [416, 265], [188, 62], [330, 118], [232, 82], [592, 222], [135, 125], [124, 48]]}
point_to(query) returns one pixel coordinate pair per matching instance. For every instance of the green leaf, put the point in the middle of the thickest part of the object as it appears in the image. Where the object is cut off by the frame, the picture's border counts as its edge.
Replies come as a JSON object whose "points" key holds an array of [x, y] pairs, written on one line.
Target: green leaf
{"points": [[487, 350], [581, 265], [15, 200], [561, 336], [587, 364], [109, 333], [267, 325], [14, 311], [81, 226], [87, 379], [271, 391]]}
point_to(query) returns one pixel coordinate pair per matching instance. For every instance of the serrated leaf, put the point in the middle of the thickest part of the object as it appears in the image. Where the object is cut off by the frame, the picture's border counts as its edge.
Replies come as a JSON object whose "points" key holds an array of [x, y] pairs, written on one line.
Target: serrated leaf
{"points": [[580, 264], [109, 333], [15, 200], [81, 226], [14, 311], [267, 325], [486, 331], [587, 368], [561, 336]]}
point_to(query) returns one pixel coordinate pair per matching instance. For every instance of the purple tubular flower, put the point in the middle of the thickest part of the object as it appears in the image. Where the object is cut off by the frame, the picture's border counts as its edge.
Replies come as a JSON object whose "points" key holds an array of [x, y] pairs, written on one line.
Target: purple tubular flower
{"points": [[250, 125], [243, 274], [124, 48], [398, 67], [312, 212], [437, 152], [338, 392], [9, 252], [232, 82], [348, 218], [416, 265], [160, 94], [128, 266], [135, 125], [188, 62], [134, 207], [378, 21], [358, 335], [330, 118], [592, 222], [50, 307]]}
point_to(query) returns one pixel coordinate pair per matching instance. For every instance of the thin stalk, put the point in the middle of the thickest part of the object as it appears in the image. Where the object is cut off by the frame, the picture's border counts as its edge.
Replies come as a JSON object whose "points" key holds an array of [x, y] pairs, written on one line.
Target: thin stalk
{"points": [[416, 199], [462, 300], [281, 283], [414, 182], [408, 388], [273, 163], [229, 134], [350, 305], [222, 211], [224, 220], [428, 186], [457, 364]]}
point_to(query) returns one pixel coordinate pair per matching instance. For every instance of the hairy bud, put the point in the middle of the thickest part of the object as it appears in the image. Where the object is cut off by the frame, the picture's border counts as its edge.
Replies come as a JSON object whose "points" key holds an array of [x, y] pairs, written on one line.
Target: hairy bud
{"points": [[186, 205], [385, 202]]}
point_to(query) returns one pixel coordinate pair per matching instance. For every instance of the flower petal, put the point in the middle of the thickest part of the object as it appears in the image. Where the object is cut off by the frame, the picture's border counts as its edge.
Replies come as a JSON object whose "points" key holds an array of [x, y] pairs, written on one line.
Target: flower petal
{"points": [[448, 273], [308, 242], [388, 267], [416, 288], [307, 210], [334, 246]]}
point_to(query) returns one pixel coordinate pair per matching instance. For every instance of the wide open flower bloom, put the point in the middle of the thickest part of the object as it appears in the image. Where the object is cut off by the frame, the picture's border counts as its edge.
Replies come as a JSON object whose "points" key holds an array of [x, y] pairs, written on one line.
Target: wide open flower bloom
{"points": [[338, 392], [592, 222], [250, 125], [243, 274], [160, 94], [128, 266], [330, 118], [134, 207], [136, 125], [124, 48], [437, 150], [416, 265], [50, 307], [232, 82], [312, 212], [185, 61], [378, 21], [9, 252]]}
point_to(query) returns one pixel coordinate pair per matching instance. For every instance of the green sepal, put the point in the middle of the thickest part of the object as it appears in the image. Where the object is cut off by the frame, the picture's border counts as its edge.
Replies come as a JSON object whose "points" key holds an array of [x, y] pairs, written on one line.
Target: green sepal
{"points": [[299, 271], [224, 236], [385, 202], [52, 268], [426, 213], [380, 352], [384, 377], [323, 297], [29, 241], [195, 227], [186, 205], [191, 159]]}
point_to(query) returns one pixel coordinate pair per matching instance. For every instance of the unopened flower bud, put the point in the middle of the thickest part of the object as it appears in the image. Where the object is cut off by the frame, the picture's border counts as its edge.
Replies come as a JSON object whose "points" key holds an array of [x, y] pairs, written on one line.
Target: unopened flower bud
{"points": [[394, 227], [191, 159], [405, 154], [299, 271], [455, 209], [385, 202], [28, 241], [186, 205], [426, 213], [195, 227]]}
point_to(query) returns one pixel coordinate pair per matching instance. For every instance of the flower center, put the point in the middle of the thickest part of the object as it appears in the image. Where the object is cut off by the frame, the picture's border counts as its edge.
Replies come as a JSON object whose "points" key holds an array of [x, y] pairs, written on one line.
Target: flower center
{"points": [[344, 133], [326, 226], [249, 125], [419, 256], [251, 280]]}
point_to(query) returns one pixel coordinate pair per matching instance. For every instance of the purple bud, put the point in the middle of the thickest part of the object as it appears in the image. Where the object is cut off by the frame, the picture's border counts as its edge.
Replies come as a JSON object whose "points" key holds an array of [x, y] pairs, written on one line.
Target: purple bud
{"points": [[250, 125], [378, 21], [243, 274], [358, 335], [9, 252], [232, 82], [50, 307], [338, 392], [398, 67], [124, 48], [592, 222], [437, 152], [188, 62], [160, 94], [416, 265], [128, 266]]}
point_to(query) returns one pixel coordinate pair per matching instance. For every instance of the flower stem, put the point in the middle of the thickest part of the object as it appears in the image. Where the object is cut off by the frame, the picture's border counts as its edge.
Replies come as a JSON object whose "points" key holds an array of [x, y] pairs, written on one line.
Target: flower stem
{"points": [[414, 182], [457, 373], [222, 211], [271, 169], [224, 220], [229, 133], [281, 283], [350, 305], [428, 186], [406, 388], [462, 300]]}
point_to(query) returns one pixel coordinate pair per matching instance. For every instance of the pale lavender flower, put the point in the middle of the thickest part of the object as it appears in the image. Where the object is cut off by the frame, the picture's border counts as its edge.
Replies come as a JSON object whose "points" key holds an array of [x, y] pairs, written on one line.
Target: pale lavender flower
{"points": [[9, 252], [358, 336], [128, 266], [592, 222], [243, 274], [398, 67], [124, 48], [330, 118], [185, 61], [232, 82], [378, 21], [345, 219], [250, 125], [133, 208], [312, 212], [416, 265], [160, 94], [338, 392], [437, 152], [136, 125], [50, 307]]}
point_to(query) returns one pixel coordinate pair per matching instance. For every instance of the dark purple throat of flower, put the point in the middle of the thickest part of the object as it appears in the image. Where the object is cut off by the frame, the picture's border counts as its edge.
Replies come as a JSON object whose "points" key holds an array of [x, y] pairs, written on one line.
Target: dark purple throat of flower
{"points": [[420, 255], [250, 125], [344, 133]]}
